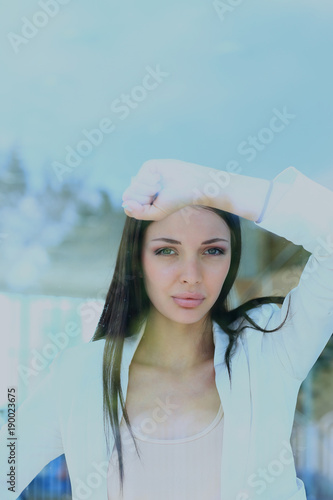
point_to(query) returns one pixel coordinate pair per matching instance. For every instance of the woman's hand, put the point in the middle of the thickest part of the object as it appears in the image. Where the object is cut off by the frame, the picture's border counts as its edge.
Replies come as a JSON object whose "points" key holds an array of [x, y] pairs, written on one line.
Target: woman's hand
{"points": [[162, 187]]}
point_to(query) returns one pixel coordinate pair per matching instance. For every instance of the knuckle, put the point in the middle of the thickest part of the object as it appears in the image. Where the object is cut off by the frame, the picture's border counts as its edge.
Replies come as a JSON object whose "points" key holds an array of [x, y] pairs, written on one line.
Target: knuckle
{"points": [[149, 165]]}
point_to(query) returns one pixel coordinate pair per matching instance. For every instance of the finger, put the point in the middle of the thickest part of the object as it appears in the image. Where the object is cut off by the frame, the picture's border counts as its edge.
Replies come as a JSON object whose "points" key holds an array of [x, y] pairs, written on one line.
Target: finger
{"points": [[143, 212], [141, 189], [140, 198], [147, 177], [133, 208], [150, 166]]}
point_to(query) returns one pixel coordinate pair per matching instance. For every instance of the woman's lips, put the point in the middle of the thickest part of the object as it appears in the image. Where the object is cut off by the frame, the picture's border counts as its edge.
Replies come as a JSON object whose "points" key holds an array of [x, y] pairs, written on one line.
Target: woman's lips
{"points": [[188, 302]]}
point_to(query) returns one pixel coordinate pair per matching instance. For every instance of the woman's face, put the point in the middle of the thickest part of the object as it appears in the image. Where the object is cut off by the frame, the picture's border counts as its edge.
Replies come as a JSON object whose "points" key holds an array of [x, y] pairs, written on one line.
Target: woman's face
{"points": [[190, 263]]}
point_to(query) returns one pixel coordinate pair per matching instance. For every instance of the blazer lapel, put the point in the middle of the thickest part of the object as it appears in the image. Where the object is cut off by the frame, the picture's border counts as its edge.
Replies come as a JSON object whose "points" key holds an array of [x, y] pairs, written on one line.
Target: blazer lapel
{"points": [[130, 346], [236, 402]]}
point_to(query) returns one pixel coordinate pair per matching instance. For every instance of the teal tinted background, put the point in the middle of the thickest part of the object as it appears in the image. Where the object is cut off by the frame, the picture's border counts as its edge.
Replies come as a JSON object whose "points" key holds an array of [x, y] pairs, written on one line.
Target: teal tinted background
{"points": [[228, 71], [229, 65]]}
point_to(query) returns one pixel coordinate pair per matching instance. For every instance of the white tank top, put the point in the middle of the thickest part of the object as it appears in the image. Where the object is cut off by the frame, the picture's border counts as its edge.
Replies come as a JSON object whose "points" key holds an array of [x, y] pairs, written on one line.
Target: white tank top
{"points": [[177, 469]]}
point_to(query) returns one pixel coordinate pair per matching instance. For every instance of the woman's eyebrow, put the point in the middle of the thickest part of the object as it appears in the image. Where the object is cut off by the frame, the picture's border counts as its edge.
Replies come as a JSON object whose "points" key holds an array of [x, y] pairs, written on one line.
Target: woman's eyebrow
{"points": [[175, 242]]}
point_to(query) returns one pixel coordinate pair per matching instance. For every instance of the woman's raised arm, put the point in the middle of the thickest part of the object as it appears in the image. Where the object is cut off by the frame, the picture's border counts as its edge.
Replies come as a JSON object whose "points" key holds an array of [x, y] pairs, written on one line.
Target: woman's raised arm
{"points": [[178, 184]]}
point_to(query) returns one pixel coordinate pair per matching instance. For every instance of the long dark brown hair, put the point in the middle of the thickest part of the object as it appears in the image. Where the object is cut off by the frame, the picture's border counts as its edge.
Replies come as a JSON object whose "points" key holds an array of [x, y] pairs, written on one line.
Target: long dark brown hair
{"points": [[127, 305]]}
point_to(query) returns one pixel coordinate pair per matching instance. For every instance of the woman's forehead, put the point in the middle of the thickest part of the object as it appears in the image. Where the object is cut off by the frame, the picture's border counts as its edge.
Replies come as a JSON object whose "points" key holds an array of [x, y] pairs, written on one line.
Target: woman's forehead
{"points": [[190, 222]]}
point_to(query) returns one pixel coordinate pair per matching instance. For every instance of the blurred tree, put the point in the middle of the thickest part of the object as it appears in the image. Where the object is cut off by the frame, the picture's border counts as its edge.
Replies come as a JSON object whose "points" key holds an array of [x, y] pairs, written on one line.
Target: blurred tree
{"points": [[13, 180], [50, 229]]}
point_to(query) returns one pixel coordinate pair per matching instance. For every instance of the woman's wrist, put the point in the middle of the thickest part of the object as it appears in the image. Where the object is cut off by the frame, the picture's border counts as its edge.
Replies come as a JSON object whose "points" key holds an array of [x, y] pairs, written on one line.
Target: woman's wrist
{"points": [[239, 194]]}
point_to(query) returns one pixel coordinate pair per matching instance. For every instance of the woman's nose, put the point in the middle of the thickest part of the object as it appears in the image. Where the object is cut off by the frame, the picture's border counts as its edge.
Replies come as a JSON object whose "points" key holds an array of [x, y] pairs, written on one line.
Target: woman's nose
{"points": [[190, 272]]}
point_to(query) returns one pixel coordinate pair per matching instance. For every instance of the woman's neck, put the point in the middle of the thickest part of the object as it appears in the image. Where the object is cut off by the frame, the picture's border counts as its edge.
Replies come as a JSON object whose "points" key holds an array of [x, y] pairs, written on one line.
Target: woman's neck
{"points": [[179, 347]]}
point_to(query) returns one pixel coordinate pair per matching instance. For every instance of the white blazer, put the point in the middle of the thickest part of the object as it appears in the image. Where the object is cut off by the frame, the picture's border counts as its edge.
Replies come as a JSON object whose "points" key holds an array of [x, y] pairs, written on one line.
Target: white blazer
{"points": [[65, 413]]}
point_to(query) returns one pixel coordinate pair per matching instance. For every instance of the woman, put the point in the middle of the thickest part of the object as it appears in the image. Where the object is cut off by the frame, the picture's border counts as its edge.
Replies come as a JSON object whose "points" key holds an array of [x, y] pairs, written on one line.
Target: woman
{"points": [[188, 374]]}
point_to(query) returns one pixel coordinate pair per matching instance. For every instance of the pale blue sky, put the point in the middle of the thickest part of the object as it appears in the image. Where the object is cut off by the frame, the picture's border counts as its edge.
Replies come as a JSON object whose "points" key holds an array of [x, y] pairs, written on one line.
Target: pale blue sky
{"points": [[225, 79]]}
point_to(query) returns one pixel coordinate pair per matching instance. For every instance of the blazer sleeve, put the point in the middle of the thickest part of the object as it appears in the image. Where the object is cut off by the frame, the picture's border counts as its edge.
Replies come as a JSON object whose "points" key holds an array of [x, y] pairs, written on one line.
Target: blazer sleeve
{"points": [[37, 431], [301, 211]]}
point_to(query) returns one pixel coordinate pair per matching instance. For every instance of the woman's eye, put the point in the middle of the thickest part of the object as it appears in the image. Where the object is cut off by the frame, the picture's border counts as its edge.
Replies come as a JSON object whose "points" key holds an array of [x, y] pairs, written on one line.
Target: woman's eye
{"points": [[167, 251], [219, 250], [164, 251]]}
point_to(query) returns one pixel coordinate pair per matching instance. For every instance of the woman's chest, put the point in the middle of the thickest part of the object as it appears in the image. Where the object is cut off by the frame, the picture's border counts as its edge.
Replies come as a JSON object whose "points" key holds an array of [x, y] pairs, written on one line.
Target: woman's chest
{"points": [[170, 406]]}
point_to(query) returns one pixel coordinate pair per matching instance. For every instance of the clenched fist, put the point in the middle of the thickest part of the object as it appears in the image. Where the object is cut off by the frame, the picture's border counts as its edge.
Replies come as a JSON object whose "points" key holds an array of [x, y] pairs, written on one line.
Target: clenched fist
{"points": [[162, 187]]}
